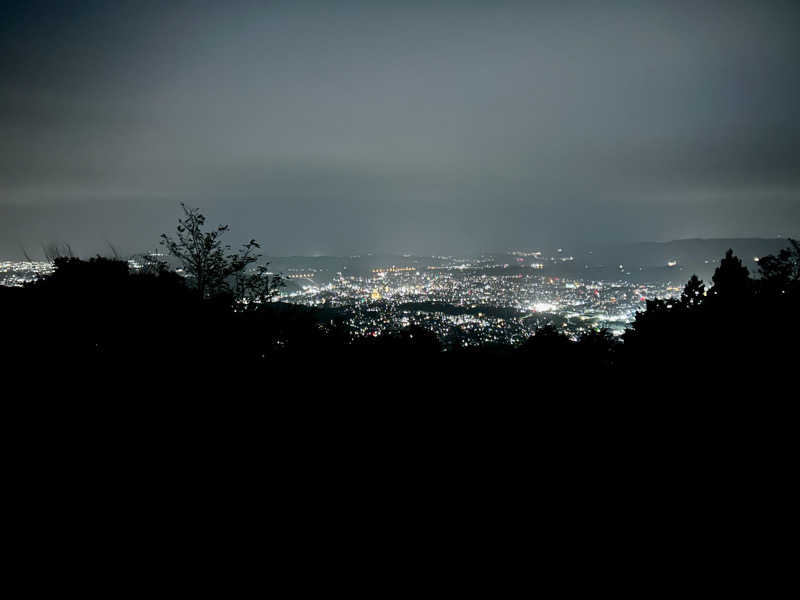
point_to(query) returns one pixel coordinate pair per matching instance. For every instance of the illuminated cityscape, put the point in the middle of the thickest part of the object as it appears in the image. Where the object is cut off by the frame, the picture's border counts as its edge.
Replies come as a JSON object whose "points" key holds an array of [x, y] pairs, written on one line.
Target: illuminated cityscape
{"points": [[19, 272], [464, 301], [475, 305], [476, 300]]}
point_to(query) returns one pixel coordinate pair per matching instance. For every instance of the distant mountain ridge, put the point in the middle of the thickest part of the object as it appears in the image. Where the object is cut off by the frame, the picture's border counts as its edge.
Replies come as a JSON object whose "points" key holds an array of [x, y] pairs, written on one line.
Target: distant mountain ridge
{"points": [[693, 250], [675, 260]]}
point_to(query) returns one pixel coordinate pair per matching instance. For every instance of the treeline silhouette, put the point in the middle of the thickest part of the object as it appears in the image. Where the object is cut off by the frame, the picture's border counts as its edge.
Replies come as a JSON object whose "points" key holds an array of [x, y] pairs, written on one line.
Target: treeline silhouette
{"points": [[217, 324]]}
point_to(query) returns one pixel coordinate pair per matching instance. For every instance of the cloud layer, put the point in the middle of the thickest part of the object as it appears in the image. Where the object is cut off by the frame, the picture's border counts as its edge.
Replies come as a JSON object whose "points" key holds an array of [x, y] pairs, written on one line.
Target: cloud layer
{"points": [[337, 127]]}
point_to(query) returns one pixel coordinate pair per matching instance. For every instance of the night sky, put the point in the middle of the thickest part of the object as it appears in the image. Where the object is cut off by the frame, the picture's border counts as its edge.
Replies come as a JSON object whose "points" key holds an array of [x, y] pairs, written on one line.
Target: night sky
{"points": [[339, 127]]}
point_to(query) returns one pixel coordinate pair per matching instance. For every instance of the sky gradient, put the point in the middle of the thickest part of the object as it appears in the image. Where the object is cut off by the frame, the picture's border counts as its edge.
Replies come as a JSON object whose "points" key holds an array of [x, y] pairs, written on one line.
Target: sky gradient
{"points": [[330, 127]]}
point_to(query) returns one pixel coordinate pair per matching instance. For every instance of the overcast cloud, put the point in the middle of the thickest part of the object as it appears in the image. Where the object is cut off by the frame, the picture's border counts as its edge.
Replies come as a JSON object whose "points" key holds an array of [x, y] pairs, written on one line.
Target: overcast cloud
{"points": [[339, 127]]}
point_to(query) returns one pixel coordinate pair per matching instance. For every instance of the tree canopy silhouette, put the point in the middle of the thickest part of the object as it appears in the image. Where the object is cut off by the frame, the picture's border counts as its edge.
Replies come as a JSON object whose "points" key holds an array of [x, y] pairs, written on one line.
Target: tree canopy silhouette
{"points": [[693, 294], [731, 279], [781, 272], [214, 269]]}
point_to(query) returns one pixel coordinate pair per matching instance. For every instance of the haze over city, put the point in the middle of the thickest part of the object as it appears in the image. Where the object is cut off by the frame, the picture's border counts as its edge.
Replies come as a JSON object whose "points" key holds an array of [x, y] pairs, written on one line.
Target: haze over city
{"points": [[340, 127]]}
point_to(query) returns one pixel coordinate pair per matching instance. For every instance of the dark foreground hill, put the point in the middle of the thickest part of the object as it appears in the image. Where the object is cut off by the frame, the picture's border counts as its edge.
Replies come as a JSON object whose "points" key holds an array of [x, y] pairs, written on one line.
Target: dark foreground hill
{"points": [[136, 410]]}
